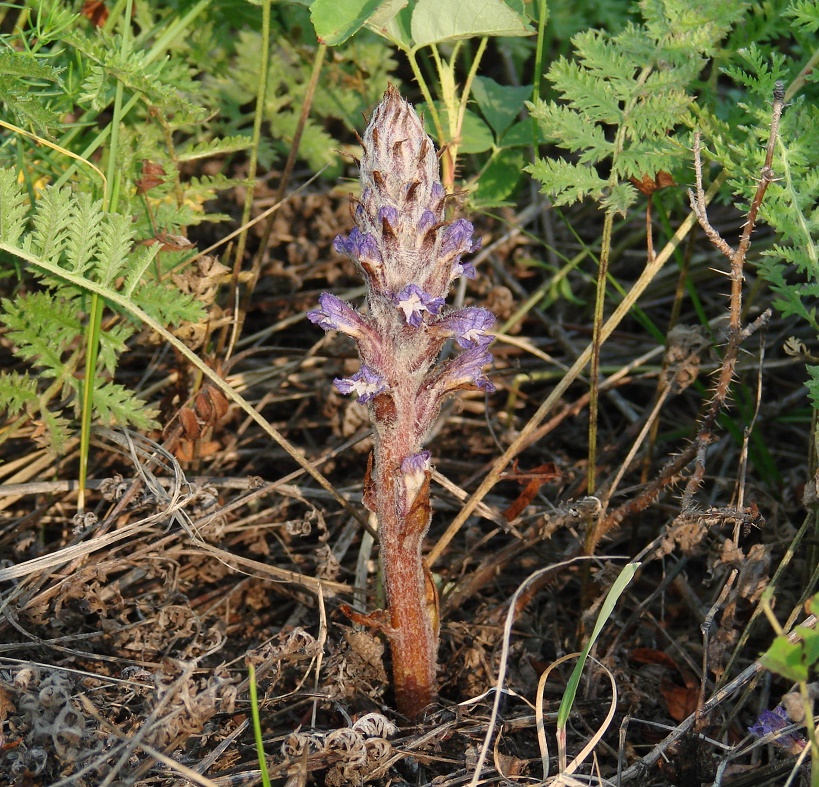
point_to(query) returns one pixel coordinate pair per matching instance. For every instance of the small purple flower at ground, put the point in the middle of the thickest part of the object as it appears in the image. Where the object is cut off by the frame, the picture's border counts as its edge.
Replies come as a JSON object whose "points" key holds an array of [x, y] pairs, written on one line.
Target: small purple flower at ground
{"points": [[366, 383], [772, 721]]}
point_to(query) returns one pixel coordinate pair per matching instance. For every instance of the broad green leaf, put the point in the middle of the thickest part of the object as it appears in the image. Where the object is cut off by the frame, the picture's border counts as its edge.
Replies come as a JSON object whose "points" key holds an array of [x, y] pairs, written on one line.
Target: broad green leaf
{"points": [[522, 134], [397, 30], [499, 104], [810, 644], [476, 137], [385, 14], [787, 659], [435, 21], [499, 179], [337, 20]]}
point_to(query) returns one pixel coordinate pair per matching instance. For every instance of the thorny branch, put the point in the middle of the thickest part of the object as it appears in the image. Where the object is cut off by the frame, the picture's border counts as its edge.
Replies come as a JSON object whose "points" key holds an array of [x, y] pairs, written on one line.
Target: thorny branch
{"points": [[697, 449]]}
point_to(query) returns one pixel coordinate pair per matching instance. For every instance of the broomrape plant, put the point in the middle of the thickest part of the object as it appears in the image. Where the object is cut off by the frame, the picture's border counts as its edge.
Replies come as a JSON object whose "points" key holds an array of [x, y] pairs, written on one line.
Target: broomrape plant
{"points": [[409, 256]]}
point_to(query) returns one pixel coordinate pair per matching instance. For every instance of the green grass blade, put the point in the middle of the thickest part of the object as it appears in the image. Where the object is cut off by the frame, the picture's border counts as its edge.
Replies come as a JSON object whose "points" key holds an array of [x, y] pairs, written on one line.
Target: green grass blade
{"points": [[257, 725], [614, 594]]}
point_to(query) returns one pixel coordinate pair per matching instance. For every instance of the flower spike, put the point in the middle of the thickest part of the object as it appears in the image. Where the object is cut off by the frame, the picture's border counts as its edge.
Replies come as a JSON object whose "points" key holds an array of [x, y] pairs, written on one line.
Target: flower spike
{"points": [[409, 255]]}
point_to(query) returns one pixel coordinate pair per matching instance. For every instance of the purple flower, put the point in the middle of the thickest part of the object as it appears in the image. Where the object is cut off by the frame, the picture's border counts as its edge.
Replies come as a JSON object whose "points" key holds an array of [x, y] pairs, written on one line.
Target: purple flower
{"points": [[414, 469], [390, 214], [426, 221], [360, 246], [416, 463], [467, 370], [412, 300], [337, 315], [366, 383], [457, 239], [465, 269], [772, 721], [467, 326]]}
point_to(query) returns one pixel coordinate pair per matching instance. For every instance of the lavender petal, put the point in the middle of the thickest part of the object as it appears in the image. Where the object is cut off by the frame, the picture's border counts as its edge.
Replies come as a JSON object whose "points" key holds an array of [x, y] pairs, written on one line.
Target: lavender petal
{"points": [[366, 383], [413, 301], [467, 369], [337, 315], [468, 326]]}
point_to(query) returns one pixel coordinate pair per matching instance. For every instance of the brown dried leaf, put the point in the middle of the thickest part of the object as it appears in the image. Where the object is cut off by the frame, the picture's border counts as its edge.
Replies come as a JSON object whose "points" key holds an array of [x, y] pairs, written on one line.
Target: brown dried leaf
{"points": [[153, 174], [648, 185]]}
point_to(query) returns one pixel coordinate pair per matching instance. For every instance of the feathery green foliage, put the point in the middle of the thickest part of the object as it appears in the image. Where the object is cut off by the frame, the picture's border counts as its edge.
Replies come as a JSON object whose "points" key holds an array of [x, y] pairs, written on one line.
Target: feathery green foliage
{"points": [[621, 99], [22, 88], [59, 75], [790, 265], [72, 233], [351, 84]]}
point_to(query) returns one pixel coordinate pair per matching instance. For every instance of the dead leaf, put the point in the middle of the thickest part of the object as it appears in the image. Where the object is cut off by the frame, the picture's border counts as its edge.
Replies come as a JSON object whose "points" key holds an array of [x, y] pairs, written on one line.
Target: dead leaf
{"points": [[648, 185]]}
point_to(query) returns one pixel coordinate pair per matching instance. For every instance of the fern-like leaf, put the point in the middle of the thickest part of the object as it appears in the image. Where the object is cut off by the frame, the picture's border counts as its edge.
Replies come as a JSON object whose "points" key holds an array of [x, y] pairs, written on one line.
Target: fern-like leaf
{"points": [[166, 304], [567, 183], [86, 223], [112, 345], [218, 146], [113, 249], [96, 89], [57, 430], [577, 135], [13, 207], [813, 385], [41, 327], [20, 73], [805, 15], [115, 404], [622, 98], [17, 391], [52, 222]]}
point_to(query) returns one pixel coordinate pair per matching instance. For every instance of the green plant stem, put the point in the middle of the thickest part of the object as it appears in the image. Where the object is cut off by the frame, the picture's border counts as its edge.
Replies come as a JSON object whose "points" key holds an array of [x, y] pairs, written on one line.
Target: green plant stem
{"points": [[94, 327], [455, 107], [422, 84], [543, 17], [257, 725], [465, 92], [258, 119], [306, 104], [597, 341]]}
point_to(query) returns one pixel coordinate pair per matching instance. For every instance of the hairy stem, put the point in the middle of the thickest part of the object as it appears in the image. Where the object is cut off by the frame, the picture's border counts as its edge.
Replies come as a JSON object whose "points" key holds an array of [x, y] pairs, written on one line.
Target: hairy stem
{"points": [[402, 525]]}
